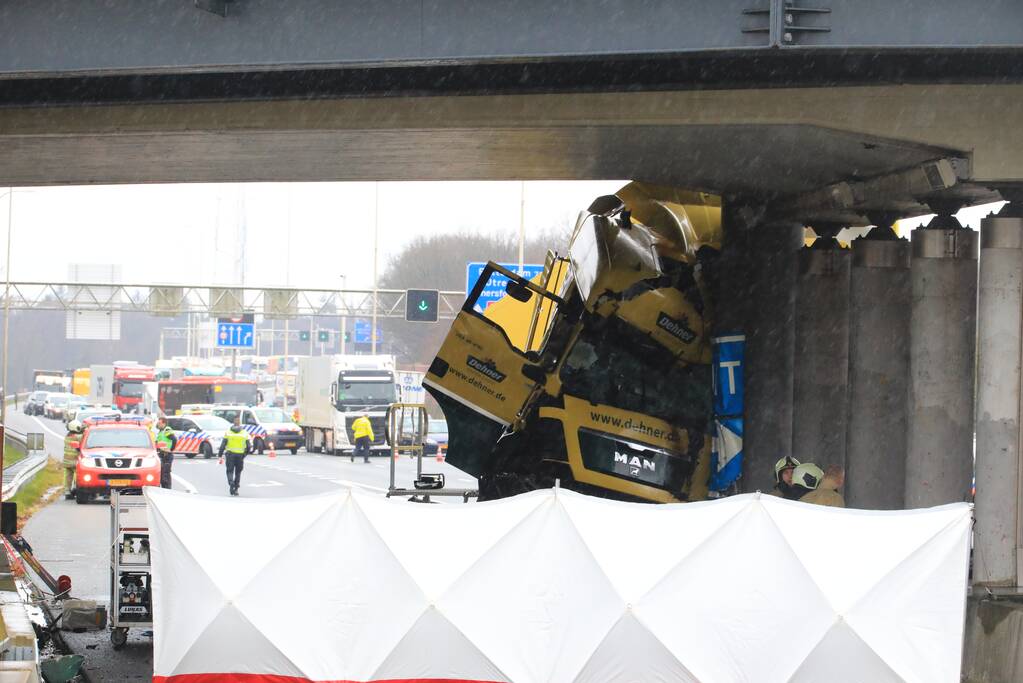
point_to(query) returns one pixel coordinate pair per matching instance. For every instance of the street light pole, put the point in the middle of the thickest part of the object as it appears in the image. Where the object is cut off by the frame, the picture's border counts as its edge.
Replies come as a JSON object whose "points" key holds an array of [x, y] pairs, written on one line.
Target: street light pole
{"points": [[7, 299], [344, 312], [376, 242]]}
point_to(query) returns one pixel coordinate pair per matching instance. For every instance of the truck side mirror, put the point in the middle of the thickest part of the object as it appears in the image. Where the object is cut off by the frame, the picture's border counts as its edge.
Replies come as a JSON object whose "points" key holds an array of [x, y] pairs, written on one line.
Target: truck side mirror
{"points": [[518, 291], [333, 392]]}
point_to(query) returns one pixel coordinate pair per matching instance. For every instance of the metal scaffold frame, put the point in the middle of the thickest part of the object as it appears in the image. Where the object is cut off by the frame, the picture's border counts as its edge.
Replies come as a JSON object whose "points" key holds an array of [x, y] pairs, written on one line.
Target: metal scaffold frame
{"points": [[171, 300]]}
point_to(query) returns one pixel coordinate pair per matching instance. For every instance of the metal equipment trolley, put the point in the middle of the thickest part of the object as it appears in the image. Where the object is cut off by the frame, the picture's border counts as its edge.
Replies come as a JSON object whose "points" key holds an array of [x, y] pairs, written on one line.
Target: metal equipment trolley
{"points": [[131, 604], [406, 431]]}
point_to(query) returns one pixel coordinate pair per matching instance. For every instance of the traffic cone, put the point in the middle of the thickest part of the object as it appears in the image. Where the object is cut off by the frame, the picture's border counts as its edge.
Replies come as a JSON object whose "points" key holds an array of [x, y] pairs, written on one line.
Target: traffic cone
{"points": [[440, 454], [273, 453]]}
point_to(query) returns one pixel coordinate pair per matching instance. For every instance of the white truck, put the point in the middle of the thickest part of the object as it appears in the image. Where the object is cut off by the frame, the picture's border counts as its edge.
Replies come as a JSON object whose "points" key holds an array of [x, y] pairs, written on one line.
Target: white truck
{"points": [[332, 391]]}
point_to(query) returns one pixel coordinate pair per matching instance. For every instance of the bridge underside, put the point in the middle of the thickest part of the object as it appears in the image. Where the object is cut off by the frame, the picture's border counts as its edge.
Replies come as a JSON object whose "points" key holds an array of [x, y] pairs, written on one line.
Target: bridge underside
{"points": [[793, 144]]}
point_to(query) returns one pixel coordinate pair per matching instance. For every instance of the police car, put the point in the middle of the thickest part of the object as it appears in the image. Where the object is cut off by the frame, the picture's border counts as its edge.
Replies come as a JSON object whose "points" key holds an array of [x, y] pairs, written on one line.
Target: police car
{"points": [[268, 426], [198, 434]]}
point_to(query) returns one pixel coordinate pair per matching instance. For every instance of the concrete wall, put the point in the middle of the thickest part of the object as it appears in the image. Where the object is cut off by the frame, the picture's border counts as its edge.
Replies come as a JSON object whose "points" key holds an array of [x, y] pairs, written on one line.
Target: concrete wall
{"points": [[994, 642]]}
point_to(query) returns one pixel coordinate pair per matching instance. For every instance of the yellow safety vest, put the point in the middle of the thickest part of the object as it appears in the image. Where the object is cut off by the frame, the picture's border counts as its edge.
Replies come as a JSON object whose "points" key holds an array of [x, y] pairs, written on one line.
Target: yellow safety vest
{"points": [[235, 441], [361, 427]]}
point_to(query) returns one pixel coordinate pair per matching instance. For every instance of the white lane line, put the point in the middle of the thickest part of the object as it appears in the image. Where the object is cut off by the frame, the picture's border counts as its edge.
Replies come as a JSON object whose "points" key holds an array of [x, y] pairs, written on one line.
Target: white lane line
{"points": [[185, 484], [267, 483], [40, 423], [346, 482]]}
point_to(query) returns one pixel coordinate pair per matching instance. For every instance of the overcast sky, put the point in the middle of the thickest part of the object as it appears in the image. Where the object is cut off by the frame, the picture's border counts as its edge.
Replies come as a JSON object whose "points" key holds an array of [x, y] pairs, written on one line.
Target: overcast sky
{"points": [[297, 234], [191, 234]]}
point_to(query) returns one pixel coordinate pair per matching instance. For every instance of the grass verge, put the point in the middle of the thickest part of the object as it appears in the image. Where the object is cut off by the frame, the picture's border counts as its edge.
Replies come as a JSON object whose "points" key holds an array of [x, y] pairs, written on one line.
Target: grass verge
{"points": [[13, 452], [44, 487]]}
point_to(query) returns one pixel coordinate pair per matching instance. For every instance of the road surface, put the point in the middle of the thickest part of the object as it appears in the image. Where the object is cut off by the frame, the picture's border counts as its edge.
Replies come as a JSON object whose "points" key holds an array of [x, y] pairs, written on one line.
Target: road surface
{"points": [[74, 539]]}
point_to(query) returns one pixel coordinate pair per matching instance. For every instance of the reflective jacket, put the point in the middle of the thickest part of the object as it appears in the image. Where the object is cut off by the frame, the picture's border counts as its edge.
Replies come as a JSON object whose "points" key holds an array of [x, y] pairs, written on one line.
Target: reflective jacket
{"points": [[165, 440], [71, 454], [361, 427], [236, 442], [826, 494]]}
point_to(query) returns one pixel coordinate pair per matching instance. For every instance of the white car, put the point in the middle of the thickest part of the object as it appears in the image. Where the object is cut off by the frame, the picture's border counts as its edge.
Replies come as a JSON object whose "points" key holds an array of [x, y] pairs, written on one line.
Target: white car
{"points": [[198, 434]]}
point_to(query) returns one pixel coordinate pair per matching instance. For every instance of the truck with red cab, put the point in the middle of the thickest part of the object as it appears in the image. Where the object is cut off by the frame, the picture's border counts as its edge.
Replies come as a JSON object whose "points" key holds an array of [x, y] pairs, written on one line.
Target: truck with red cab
{"points": [[127, 386], [114, 453]]}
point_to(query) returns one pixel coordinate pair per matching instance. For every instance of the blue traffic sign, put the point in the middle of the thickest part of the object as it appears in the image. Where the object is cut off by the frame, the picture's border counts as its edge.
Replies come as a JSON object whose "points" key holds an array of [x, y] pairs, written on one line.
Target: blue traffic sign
{"points": [[236, 335], [495, 287], [364, 333]]}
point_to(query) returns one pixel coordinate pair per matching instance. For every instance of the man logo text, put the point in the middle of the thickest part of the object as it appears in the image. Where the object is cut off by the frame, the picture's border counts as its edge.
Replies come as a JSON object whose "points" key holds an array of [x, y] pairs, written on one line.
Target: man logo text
{"points": [[635, 462]]}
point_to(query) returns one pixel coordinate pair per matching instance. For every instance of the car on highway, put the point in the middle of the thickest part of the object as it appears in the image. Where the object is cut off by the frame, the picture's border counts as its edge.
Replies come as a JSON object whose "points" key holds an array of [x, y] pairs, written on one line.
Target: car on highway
{"points": [[114, 454], [436, 437], [268, 426], [198, 434], [74, 404], [55, 405], [35, 404]]}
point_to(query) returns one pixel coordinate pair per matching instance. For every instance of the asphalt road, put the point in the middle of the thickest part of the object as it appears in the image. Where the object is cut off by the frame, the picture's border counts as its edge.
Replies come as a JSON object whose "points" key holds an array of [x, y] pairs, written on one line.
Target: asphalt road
{"points": [[75, 539]]}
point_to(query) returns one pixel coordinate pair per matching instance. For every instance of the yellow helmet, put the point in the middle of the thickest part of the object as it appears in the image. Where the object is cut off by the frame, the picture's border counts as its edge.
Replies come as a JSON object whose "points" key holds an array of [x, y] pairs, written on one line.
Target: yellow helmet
{"points": [[788, 462], [808, 476]]}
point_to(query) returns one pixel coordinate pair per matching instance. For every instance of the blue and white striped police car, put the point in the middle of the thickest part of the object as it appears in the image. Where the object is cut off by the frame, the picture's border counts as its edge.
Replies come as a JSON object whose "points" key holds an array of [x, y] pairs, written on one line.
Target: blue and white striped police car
{"points": [[199, 434]]}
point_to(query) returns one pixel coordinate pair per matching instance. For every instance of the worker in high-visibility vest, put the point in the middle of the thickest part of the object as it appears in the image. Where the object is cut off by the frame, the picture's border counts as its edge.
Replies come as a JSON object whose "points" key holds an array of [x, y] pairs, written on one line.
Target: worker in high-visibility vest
{"points": [[238, 443], [165, 443], [363, 432]]}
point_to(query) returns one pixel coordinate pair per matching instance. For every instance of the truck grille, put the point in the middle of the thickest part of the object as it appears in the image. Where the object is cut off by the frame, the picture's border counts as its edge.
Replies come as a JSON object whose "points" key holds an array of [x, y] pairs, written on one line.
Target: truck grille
{"points": [[379, 425]]}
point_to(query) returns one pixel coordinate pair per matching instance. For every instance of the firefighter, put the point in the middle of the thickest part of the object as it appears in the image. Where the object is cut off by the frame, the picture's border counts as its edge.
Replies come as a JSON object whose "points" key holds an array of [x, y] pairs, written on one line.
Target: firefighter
{"points": [[806, 478], [165, 443], [363, 432], [238, 443], [74, 435], [783, 478], [827, 492]]}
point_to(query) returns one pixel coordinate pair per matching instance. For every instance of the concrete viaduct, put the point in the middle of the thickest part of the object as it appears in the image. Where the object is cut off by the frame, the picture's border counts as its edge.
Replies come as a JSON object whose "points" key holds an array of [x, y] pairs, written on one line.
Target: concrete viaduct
{"points": [[889, 357]]}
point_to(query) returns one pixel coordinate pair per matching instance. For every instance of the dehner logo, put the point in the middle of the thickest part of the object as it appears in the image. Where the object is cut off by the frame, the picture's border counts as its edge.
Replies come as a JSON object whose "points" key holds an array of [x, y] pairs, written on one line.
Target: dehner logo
{"points": [[676, 328], [635, 463], [484, 368]]}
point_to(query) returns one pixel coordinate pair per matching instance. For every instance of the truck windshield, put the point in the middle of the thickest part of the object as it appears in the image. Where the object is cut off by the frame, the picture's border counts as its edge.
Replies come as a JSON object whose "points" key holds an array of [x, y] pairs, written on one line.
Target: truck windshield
{"points": [[118, 438], [130, 388], [356, 393]]}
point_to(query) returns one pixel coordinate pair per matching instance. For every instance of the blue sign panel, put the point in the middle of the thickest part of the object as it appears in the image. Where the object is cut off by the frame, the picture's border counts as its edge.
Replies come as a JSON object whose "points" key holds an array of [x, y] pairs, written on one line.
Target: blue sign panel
{"points": [[495, 287], [726, 458], [364, 332], [235, 335]]}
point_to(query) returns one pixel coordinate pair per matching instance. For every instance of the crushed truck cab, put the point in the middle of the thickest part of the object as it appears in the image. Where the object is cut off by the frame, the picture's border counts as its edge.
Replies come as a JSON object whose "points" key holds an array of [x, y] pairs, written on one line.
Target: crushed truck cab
{"points": [[596, 374]]}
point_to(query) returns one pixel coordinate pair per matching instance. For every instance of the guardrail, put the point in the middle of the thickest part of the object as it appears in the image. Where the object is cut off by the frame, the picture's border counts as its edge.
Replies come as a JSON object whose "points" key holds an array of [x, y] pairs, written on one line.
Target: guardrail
{"points": [[21, 472]]}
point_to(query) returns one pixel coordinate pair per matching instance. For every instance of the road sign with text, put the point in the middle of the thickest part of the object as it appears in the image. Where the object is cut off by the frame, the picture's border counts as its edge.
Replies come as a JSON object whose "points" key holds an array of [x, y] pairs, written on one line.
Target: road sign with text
{"points": [[494, 289]]}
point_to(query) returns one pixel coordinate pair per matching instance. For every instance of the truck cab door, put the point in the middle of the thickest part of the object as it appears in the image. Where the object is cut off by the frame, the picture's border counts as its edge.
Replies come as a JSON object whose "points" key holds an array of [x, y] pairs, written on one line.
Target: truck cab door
{"points": [[489, 364]]}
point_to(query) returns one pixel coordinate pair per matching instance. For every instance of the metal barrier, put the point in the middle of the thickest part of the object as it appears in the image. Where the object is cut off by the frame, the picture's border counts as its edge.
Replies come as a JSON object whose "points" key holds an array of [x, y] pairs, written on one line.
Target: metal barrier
{"points": [[21, 472]]}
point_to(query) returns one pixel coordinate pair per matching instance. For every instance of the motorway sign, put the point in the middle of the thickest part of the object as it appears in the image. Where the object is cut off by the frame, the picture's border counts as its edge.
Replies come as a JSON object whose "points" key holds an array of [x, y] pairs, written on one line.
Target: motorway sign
{"points": [[236, 332], [495, 286], [364, 332], [421, 305]]}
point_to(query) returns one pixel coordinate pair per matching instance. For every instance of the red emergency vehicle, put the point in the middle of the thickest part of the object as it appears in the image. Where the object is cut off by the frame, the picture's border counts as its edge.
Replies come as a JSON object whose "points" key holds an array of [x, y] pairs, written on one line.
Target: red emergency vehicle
{"points": [[115, 453], [205, 391], [127, 387]]}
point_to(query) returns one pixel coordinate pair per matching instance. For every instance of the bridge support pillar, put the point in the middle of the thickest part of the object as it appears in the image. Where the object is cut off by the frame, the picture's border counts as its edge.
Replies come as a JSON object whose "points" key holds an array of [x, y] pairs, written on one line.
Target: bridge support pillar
{"points": [[997, 552], [820, 403], [879, 303], [943, 330], [769, 351]]}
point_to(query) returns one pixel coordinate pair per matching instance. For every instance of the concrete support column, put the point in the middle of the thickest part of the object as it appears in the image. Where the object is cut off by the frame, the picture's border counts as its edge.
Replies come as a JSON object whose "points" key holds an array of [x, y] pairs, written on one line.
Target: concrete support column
{"points": [[943, 331], [769, 351], [997, 551], [820, 396], [879, 304]]}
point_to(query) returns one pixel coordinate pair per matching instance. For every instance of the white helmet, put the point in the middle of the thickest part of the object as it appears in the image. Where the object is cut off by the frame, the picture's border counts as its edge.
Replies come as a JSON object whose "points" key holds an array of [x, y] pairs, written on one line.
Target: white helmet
{"points": [[74, 426]]}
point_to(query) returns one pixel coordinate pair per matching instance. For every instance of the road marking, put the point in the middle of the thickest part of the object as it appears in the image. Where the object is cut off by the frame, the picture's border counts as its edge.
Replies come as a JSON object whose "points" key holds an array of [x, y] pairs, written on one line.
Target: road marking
{"points": [[184, 483], [351, 484], [40, 422], [267, 483]]}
